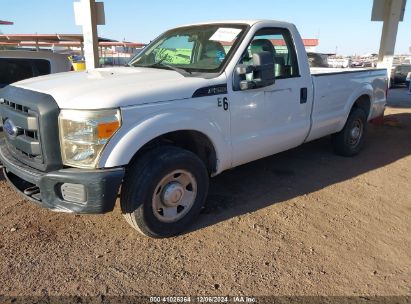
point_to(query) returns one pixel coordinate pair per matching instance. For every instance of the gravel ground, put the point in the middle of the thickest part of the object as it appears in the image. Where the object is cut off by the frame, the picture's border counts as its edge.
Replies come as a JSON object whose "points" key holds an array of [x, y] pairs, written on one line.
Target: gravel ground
{"points": [[304, 222]]}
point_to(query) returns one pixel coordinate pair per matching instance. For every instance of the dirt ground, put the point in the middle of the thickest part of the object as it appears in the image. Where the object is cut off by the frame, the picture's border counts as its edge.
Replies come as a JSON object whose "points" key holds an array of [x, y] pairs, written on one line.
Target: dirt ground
{"points": [[304, 222]]}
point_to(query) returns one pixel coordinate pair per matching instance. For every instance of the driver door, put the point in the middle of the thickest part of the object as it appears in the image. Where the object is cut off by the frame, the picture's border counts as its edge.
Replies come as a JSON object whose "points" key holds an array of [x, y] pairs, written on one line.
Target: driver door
{"points": [[271, 119]]}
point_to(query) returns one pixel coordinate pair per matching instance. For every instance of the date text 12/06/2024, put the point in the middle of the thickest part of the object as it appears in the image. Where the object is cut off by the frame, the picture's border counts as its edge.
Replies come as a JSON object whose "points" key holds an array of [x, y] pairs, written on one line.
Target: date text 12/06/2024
{"points": [[203, 299]]}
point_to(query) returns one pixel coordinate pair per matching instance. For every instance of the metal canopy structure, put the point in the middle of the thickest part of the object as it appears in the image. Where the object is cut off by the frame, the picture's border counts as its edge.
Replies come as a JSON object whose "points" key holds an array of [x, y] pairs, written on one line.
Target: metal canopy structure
{"points": [[278, 42], [44, 37], [391, 12], [89, 14], [380, 7], [2, 22], [58, 40]]}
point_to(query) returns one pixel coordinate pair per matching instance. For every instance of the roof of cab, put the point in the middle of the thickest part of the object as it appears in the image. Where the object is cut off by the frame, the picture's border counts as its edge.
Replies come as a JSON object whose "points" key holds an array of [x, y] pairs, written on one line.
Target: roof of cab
{"points": [[32, 54], [247, 22]]}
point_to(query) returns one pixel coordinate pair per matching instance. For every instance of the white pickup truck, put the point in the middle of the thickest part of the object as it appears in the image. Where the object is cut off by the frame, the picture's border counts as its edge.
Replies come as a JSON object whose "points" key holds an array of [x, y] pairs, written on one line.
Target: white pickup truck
{"points": [[198, 100]]}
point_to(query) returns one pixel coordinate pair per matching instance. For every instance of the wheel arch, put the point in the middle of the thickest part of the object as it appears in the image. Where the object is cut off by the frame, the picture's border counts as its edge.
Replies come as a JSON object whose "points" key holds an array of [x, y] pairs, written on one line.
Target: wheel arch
{"points": [[363, 102], [361, 98], [191, 140]]}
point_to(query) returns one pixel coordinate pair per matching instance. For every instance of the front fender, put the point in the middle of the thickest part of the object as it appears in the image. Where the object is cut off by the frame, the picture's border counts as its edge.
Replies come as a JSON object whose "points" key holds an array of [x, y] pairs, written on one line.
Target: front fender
{"points": [[137, 130]]}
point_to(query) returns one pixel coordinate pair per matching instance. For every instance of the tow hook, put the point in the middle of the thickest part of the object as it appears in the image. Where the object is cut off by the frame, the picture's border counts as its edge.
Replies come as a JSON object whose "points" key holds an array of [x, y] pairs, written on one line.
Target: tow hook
{"points": [[31, 190]]}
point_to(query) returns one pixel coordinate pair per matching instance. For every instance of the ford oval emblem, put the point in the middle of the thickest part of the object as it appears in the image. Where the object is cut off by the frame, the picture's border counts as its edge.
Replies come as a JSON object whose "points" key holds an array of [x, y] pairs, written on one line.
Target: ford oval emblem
{"points": [[10, 128]]}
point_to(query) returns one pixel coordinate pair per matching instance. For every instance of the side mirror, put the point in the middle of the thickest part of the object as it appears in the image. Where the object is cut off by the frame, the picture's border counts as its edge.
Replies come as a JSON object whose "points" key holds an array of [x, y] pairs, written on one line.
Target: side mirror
{"points": [[262, 72]]}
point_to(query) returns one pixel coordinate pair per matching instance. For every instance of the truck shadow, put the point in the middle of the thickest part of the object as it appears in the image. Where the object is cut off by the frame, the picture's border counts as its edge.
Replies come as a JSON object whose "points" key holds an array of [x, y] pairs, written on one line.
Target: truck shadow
{"points": [[399, 98], [300, 171]]}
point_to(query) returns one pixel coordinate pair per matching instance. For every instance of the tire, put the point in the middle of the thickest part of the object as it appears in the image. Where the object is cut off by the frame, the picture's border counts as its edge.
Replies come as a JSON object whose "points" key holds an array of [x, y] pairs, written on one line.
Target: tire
{"points": [[164, 191], [349, 141]]}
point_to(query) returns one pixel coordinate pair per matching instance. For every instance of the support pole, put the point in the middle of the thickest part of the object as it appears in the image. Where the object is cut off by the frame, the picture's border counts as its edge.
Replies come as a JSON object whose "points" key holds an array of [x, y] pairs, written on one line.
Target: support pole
{"points": [[392, 16], [90, 34], [89, 14]]}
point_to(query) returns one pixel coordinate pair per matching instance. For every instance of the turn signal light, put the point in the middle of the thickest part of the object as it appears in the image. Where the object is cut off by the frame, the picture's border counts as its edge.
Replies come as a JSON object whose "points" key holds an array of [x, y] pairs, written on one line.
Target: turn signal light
{"points": [[106, 130]]}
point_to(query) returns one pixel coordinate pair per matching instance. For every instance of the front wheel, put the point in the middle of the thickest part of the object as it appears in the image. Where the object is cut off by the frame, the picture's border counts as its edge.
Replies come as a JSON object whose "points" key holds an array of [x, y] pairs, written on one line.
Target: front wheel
{"points": [[350, 140], [164, 191]]}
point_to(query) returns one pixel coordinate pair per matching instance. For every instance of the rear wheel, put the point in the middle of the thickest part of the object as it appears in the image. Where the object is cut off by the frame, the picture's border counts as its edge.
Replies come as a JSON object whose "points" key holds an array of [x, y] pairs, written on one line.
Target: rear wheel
{"points": [[350, 140], [164, 191]]}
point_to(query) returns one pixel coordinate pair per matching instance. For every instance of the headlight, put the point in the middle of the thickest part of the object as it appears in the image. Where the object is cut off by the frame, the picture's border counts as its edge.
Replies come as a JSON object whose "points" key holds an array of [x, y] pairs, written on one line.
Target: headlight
{"points": [[84, 133]]}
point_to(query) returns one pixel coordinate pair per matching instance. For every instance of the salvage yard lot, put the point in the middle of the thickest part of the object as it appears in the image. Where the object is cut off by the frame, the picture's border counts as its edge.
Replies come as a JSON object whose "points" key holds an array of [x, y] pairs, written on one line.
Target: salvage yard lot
{"points": [[304, 222]]}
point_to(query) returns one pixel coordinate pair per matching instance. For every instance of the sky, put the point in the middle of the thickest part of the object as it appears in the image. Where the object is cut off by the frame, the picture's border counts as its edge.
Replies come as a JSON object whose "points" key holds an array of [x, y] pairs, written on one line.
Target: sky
{"points": [[342, 26]]}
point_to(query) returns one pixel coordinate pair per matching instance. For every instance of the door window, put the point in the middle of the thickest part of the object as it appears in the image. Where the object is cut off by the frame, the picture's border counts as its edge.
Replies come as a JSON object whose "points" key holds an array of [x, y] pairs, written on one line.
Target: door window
{"points": [[279, 43]]}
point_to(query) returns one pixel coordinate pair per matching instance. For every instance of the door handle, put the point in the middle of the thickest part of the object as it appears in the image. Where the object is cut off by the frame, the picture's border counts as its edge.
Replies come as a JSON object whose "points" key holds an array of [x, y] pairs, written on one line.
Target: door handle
{"points": [[303, 95]]}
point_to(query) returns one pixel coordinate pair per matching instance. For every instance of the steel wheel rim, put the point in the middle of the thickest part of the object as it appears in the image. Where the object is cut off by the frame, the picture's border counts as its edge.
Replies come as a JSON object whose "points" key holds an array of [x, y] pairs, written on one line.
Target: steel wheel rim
{"points": [[174, 196], [356, 132]]}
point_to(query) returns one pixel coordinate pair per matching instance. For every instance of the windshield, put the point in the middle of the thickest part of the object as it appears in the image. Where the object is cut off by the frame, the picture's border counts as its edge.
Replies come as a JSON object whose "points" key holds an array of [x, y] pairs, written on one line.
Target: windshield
{"points": [[201, 48]]}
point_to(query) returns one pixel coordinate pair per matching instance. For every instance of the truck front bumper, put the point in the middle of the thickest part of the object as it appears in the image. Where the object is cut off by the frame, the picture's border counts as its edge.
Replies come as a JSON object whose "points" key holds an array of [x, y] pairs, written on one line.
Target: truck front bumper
{"points": [[65, 190]]}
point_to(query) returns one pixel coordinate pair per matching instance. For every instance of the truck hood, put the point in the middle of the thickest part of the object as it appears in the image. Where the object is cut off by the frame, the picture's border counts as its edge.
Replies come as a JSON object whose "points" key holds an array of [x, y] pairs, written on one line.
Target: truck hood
{"points": [[115, 87]]}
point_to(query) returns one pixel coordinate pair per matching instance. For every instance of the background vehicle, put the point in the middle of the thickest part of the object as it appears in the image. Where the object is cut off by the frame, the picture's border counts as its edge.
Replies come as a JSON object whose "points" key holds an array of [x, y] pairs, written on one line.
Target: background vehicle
{"points": [[334, 62], [317, 60], [198, 100], [18, 65], [399, 74]]}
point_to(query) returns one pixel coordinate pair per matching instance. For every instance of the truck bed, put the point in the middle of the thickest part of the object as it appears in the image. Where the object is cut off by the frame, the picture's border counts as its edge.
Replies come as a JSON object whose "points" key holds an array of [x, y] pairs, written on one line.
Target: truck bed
{"points": [[336, 89], [324, 71]]}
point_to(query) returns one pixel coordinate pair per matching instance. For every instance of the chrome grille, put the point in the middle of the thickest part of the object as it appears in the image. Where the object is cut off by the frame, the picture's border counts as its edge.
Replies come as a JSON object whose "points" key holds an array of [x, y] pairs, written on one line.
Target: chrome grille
{"points": [[16, 106], [20, 108], [26, 143], [34, 139]]}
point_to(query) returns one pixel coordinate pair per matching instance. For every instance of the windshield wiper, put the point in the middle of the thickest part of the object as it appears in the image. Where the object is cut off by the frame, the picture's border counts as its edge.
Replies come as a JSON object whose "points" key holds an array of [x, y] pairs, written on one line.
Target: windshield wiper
{"points": [[160, 64]]}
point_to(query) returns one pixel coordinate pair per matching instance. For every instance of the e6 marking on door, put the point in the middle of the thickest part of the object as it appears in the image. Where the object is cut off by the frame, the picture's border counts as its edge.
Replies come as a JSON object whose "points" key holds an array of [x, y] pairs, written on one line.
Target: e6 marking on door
{"points": [[222, 102]]}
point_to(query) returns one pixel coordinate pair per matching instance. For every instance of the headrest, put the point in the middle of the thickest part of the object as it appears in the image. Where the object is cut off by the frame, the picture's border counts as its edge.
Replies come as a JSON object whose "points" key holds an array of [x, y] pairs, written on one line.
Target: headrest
{"points": [[214, 49], [260, 45]]}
